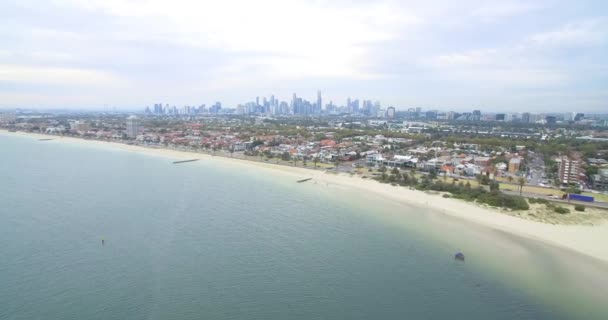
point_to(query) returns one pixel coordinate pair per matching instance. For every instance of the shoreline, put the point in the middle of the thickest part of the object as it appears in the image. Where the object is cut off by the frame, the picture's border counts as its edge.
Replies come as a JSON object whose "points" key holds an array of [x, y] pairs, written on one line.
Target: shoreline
{"points": [[589, 241]]}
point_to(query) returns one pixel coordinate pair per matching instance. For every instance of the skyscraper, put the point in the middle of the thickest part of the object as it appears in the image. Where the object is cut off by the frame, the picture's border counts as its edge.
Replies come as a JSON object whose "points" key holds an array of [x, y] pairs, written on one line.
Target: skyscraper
{"points": [[294, 103], [390, 112], [476, 115], [132, 127], [319, 102]]}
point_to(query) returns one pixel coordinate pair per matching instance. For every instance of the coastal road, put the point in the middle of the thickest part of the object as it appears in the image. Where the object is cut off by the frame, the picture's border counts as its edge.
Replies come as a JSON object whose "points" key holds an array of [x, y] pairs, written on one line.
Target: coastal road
{"points": [[601, 205], [537, 169]]}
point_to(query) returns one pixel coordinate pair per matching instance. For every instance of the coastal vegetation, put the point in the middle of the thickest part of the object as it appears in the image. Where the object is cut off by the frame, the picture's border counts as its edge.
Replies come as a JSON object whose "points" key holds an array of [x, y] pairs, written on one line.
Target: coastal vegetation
{"points": [[492, 197]]}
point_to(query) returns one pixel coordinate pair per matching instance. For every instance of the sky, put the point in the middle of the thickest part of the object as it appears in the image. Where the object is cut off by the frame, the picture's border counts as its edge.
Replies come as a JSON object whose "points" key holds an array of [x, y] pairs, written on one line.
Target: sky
{"points": [[509, 56]]}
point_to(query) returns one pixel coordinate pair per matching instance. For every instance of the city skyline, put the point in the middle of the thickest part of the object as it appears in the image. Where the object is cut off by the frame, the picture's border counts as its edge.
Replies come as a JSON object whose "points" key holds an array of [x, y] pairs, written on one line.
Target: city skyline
{"points": [[548, 56]]}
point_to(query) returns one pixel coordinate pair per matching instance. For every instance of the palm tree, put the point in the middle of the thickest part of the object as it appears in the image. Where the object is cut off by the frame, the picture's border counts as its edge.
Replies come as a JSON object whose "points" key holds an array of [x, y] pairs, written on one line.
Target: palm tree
{"points": [[521, 182]]}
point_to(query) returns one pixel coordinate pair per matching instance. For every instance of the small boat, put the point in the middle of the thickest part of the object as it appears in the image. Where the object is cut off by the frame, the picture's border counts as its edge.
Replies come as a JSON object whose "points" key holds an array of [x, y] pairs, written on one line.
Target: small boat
{"points": [[459, 256], [304, 180], [46, 139]]}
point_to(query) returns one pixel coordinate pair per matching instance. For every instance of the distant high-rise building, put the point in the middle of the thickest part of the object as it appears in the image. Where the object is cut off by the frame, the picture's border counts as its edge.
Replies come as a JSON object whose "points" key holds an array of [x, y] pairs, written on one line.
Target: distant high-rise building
{"points": [[551, 119], [349, 106], [451, 115], [476, 115], [132, 127], [355, 106], [500, 117], [216, 107], [294, 102], [390, 112], [431, 115], [319, 102], [525, 117]]}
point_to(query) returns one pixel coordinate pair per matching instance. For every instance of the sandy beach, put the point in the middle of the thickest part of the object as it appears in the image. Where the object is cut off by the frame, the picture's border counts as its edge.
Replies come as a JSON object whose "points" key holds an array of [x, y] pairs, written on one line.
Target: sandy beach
{"points": [[587, 240]]}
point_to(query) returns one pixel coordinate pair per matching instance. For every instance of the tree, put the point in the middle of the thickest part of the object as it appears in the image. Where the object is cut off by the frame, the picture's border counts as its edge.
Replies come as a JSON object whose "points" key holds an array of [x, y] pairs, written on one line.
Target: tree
{"points": [[395, 170], [591, 170], [315, 160], [382, 169], [478, 178], [521, 181], [510, 178], [432, 174]]}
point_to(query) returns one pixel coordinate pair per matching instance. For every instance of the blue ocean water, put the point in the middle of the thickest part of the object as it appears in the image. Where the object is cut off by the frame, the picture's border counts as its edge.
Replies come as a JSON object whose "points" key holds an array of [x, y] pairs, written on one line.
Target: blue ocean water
{"points": [[208, 240]]}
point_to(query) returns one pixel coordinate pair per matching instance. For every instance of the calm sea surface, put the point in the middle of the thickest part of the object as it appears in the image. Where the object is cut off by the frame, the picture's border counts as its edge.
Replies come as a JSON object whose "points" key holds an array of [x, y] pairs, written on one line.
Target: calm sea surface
{"points": [[206, 240]]}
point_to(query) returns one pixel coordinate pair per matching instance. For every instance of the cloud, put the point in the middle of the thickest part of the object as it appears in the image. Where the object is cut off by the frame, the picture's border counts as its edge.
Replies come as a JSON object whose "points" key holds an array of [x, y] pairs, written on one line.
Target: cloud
{"points": [[330, 40], [586, 33], [401, 52], [58, 76], [494, 11]]}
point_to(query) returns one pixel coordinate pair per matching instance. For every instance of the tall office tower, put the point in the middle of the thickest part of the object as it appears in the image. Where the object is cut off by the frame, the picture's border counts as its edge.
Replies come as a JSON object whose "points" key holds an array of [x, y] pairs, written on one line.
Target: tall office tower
{"points": [[348, 105], [132, 127], [418, 110], [476, 115], [319, 102], [257, 101], [525, 117], [284, 107], [390, 112], [355, 106], [272, 101]]}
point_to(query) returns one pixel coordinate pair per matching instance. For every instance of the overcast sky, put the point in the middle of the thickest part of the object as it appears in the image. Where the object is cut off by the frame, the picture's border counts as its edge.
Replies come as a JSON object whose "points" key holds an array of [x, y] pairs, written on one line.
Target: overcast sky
{"points": [[452, 55]]}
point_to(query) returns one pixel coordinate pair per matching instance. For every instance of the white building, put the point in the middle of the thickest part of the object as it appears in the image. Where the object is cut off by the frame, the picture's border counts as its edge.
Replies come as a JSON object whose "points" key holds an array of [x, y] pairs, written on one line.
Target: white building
{"points": [[132, 127]]}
